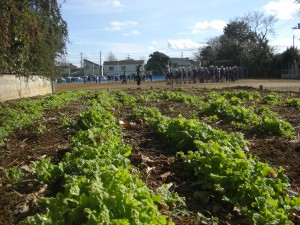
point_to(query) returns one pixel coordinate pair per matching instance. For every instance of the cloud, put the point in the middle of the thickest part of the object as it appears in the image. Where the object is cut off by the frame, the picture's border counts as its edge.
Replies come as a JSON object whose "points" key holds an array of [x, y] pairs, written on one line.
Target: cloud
{"points": [[282, 9], [204, 26], [151, 48], [281, 45], [132, 33], [91, 7], [114, 3], [183, 44], [117, 25]]}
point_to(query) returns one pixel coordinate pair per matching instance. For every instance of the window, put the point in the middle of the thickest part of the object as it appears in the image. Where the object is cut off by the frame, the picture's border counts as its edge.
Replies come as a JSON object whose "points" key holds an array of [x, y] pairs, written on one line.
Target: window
{"points": [[111, 68], [123, 68]]}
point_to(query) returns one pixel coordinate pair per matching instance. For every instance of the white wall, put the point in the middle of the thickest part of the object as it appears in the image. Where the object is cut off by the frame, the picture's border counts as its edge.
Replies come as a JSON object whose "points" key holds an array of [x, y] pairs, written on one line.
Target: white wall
{"points": [[130, 68], [13, 87]]}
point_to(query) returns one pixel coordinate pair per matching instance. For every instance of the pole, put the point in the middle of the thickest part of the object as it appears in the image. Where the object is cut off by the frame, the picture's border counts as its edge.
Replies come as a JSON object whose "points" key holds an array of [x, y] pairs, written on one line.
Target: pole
{"points": [[293, 41], [100, 59], [100, 67], [69, 70], [118, 69]]}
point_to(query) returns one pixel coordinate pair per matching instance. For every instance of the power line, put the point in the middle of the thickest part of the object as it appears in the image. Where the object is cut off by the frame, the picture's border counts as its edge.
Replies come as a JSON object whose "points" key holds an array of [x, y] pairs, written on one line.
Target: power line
{"points": [[94, 56]]}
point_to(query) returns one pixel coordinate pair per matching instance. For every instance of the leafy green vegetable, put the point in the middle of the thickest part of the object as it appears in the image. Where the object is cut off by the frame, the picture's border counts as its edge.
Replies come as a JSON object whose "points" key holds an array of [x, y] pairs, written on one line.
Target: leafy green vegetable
{"points": [[98, 187], [46, 171], [272, 99], [220, 166], [293, 102]]}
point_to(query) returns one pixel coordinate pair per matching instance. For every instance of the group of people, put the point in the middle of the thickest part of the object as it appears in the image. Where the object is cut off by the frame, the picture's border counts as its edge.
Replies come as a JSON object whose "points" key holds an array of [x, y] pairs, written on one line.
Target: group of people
{"points": [[182, 75], [89, 79], [137, 77], [202, 74]]}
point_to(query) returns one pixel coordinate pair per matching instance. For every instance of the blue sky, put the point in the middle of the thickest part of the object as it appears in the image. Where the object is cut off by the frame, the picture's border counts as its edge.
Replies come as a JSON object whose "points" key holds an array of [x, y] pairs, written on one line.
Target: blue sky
{"points": [[135, 29]]}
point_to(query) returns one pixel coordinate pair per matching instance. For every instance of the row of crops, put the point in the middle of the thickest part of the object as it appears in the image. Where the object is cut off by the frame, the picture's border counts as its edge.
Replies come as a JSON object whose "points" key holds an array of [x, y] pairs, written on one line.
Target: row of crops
{"points": [[98, 185], [240, 108], [97, 181], [26, 111]]}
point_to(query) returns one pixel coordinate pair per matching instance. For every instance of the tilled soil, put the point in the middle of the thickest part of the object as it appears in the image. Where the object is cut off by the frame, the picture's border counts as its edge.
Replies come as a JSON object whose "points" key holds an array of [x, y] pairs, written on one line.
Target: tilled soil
{"points": [[150, 158]]}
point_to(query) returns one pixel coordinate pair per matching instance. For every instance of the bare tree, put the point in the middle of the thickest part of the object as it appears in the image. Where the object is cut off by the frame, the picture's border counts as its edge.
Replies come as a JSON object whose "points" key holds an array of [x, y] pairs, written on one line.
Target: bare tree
{"points": [[260, 24], [208, 53], [263, 27], [111, 57]]}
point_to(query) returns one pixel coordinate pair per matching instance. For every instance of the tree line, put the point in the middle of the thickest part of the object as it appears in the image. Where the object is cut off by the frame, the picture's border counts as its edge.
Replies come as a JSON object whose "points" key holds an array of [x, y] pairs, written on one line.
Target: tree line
{"points": [[33, 37], [245, 43]]}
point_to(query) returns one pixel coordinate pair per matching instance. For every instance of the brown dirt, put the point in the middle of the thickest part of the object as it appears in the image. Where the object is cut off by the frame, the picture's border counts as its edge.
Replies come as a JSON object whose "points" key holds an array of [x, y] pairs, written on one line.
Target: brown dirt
{"points": [[273, 85], [26, 145]]}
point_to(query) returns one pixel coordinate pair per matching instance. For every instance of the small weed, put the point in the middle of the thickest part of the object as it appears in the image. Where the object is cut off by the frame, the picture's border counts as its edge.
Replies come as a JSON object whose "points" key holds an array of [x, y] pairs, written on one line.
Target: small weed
{"points": [[66, 121], [14, 174], [41, 128], [213, 118]]}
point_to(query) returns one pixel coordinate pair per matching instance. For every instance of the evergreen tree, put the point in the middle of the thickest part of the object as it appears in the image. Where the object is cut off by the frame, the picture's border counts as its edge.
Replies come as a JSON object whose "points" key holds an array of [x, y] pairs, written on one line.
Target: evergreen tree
{"points": [[32, 37], [157, 62]]}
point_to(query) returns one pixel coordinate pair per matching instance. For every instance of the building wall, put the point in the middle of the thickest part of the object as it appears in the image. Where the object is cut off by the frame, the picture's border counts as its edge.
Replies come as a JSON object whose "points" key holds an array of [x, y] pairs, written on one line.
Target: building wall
{"points": [[91, 69], [13, 87], [119, 69]]}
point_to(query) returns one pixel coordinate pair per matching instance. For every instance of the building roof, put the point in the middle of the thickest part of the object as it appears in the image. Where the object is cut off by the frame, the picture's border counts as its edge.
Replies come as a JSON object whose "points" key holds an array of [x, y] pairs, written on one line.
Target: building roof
{"points": [[123, 62], [85, 60], [181, 62], [67, 66]]}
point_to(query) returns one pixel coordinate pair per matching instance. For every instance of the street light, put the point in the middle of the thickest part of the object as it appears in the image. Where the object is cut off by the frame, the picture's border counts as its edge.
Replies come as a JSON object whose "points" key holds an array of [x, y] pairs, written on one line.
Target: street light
{"points": [[295, 28]]}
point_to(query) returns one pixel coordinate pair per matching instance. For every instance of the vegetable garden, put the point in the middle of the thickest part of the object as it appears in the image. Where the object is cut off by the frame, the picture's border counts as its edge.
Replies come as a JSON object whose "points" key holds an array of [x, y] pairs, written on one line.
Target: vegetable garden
{"points": [[180, 156]]}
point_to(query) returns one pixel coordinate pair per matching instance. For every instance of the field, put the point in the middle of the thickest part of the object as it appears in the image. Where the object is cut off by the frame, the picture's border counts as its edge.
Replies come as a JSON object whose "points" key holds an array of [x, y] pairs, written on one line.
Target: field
{"points": [[247, 170], [273, 85]]}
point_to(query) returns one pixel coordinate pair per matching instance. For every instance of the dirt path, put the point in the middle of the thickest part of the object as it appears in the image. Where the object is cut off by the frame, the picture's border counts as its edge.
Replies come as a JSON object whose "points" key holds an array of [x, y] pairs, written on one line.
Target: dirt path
{"points": [[274, 85]]}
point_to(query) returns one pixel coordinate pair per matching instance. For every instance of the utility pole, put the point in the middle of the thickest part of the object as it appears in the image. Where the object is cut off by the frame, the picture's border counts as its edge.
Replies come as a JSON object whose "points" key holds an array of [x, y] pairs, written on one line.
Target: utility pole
{"points": [[295, 64], [100, 66], [81, 60], [294, 41], [100, 59]]}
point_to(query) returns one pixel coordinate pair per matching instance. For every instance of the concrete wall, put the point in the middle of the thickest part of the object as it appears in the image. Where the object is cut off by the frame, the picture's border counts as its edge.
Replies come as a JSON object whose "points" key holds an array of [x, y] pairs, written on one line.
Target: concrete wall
{"points": [[13, 87]]}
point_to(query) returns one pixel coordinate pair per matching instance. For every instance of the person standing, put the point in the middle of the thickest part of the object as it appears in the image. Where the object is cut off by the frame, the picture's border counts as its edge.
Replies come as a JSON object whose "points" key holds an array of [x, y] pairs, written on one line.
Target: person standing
{"points": [[124, 78], [139, 75]]}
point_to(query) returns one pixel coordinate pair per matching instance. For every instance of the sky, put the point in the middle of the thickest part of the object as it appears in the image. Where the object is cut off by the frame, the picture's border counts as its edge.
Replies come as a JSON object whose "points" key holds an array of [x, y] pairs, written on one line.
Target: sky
{"points": [[137, 28]]}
